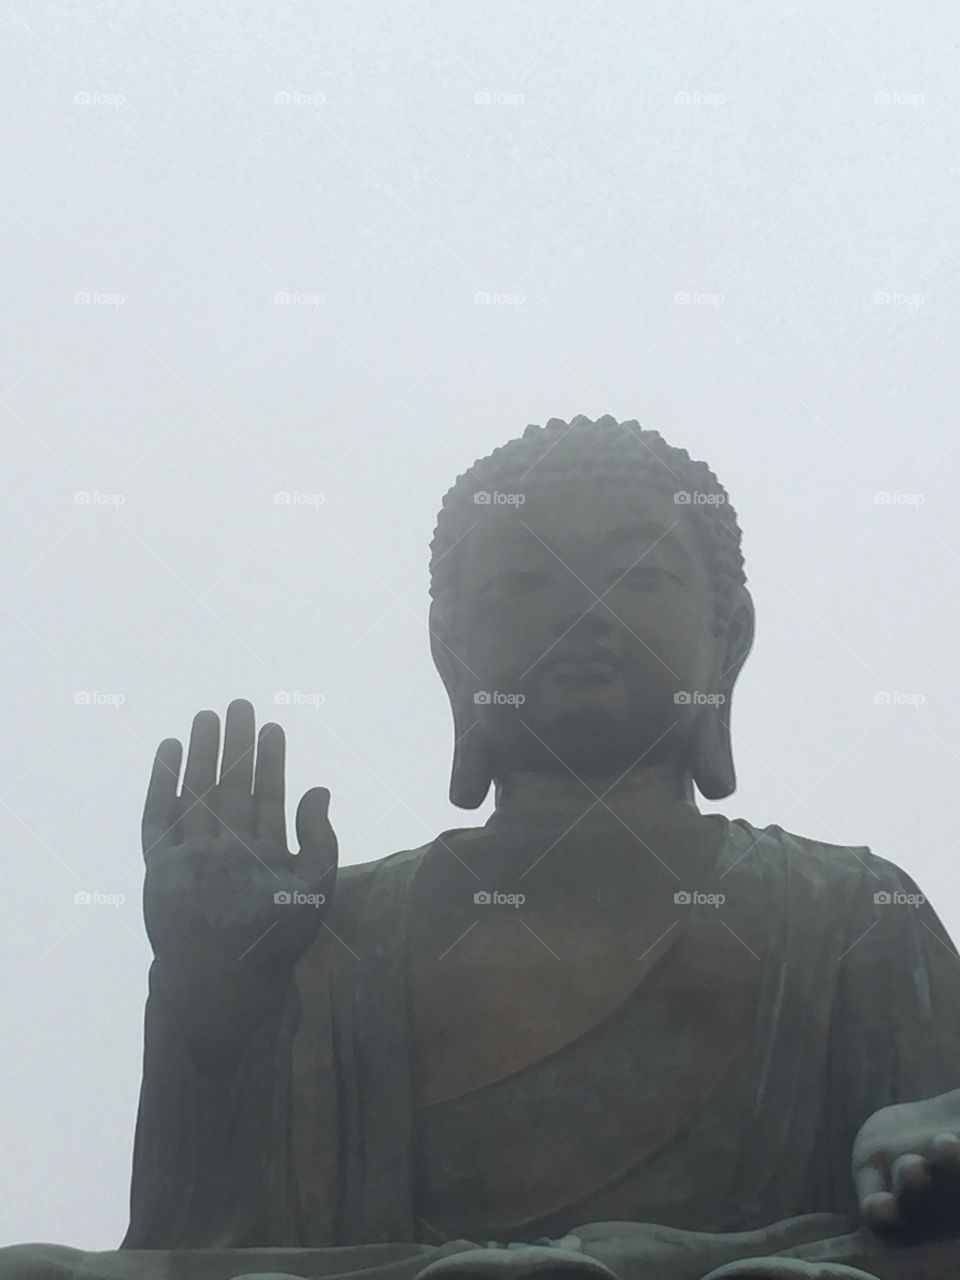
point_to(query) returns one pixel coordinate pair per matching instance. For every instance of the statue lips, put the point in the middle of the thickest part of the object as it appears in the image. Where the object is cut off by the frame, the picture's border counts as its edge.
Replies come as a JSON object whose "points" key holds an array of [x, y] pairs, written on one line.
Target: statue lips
{"points": [[584, 662]]}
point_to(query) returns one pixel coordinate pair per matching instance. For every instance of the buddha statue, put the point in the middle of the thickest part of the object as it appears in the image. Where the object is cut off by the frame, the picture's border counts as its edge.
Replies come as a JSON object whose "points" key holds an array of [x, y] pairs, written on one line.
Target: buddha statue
{"points": [[601, 1035]]}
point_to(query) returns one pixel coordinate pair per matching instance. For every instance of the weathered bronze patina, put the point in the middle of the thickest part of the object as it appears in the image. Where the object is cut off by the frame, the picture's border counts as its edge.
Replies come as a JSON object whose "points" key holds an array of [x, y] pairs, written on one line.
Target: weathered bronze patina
{"points": [[603, 1032]]}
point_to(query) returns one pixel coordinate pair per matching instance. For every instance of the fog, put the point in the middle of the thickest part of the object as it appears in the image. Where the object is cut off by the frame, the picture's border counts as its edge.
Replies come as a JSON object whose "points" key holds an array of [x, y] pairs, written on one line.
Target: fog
{"points": [[340, 252]]}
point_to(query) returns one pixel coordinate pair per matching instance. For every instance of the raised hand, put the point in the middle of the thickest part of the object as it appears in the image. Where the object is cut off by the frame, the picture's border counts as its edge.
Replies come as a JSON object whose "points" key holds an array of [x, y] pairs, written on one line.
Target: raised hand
{"points": [[906, 1167], [228, 908]]}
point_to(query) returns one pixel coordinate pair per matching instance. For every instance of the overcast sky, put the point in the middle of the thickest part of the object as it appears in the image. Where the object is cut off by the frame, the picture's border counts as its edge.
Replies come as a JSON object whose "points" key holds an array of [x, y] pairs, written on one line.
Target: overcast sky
{"points": [[344, 250]]}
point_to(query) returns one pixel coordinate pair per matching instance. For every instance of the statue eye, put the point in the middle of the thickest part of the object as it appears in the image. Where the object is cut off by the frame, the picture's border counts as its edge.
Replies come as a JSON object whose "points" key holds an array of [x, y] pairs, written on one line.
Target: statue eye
{"points": [[642, 577]]}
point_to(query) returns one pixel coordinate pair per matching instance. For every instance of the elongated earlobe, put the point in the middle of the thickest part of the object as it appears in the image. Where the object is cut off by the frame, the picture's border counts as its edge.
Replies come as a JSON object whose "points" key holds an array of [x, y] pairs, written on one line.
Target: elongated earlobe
{"points": [[712, 764], [471, 775]]}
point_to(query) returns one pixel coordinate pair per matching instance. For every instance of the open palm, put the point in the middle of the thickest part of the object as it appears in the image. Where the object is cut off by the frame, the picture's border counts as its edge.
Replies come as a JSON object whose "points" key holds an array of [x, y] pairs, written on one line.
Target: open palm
{"points": [[222, 890]]}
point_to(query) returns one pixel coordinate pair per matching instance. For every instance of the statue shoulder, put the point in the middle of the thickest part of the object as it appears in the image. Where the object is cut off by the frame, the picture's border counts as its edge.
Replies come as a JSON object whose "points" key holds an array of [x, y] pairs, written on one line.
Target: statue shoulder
{"points": [[844, 887], [826, 861], [355, 880]]}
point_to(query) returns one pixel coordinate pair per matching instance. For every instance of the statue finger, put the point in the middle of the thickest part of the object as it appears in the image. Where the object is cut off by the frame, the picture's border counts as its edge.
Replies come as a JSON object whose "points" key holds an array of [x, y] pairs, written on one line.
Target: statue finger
{"points": [[878, 1205], [880, 1211], [910, 1174], [200, 775], [945, 1152], [160, 807], [269, 787], [316, 837], [236, 768]]}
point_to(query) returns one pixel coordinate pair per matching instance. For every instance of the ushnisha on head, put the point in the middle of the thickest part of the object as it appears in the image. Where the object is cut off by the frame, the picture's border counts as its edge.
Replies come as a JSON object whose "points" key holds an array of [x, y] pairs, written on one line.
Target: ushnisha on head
{"points": [[589, 609]]}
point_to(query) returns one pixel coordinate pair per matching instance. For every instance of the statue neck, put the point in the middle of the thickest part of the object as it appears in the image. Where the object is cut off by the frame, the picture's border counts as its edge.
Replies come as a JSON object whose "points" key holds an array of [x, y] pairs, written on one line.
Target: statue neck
{"points": [[655, 792]]}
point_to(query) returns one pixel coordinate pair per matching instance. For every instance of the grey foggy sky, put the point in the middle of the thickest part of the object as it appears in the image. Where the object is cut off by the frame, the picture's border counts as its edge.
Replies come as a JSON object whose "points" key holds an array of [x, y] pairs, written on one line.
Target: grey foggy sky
{"points": [[790, 167]]}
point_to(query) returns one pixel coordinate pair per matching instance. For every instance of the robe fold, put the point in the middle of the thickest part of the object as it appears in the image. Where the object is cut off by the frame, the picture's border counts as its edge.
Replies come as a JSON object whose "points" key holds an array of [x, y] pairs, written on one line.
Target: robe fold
{"points": [[723, 1094], [726, 1091]]}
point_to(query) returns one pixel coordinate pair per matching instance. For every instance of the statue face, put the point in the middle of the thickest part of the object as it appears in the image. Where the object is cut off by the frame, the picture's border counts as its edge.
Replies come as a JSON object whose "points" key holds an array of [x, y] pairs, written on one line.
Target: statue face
{"points": [[585, 613]]}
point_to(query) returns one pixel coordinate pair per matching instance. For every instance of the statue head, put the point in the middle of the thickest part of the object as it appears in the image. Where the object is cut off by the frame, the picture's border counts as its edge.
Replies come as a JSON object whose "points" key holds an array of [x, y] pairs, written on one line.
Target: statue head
{"points": [[589, 610]]}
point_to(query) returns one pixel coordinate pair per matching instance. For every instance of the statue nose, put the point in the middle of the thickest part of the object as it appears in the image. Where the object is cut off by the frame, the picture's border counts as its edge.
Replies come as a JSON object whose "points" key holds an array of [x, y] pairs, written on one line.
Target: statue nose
{"points": [[591, 622]]}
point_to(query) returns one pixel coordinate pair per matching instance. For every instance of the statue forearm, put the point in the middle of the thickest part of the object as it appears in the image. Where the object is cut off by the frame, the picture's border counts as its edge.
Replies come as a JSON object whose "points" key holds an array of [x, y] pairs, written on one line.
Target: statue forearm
{"points": [[218, 1012], [210, 1165]]}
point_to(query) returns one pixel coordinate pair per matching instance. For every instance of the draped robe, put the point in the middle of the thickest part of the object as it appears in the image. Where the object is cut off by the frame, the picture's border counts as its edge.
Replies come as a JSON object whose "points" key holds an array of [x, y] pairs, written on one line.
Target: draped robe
{"points": [[723, 1094]]}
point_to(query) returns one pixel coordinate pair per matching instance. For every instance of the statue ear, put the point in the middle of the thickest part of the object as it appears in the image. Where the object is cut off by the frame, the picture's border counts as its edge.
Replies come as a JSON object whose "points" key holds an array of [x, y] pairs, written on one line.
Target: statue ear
{"points": [[712, 764], [471, 773]]}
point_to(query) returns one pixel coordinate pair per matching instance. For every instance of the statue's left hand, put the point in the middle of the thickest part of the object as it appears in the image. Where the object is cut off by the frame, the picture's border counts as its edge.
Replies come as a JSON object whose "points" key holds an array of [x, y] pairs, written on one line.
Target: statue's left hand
{"points": [[906, 1167]]}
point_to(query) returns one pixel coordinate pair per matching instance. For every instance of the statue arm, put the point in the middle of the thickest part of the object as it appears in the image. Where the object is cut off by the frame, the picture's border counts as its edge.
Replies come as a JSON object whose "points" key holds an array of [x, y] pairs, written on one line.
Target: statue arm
{"points": [[230, 911], [211, 1163], [906, 1156]]}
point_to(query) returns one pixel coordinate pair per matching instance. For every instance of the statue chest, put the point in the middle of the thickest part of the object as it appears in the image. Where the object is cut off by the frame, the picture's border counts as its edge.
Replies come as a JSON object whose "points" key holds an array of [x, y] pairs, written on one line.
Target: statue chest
{"points": [[519, 946], [603, 1079], [502, 990]]}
